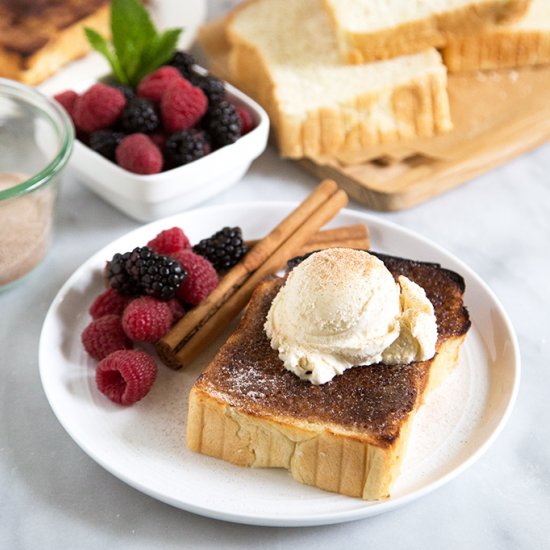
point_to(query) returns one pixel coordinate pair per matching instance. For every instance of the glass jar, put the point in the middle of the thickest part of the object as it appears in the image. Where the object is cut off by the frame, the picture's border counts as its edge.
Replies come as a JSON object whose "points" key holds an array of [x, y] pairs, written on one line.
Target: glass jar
{"points": [[36, 141]]}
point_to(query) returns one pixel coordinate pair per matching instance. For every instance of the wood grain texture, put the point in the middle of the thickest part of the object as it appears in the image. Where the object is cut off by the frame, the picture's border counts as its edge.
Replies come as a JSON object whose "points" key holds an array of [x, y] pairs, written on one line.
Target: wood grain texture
{"points": [[498, 116]]}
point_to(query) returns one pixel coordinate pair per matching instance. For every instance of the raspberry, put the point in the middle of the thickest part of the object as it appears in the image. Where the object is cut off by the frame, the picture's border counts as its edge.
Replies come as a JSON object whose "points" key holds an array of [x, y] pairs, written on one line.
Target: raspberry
{"points": [[98, 108], [169, 241], [105, 142], [109, 302], [126, 376], [182, 106], [104, 335], [201, 280], [137, 153], [154, 84], [184, 147], [146, 319], [67, 99], [178, 311], [247, 122], [139, 116], [159, 139]]}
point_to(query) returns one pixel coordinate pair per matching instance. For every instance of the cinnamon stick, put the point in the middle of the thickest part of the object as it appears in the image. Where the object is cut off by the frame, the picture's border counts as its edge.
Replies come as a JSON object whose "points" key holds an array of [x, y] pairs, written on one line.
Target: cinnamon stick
{"points": [[358, 231], [357, 244], [232, 307], [190, 323]]}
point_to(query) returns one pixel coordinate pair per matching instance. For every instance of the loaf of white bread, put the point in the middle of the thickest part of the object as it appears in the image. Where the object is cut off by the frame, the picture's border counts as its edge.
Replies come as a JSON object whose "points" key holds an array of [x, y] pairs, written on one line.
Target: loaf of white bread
{"points": [[285, 54], [294, 58], [524, 43], [369, 30]]}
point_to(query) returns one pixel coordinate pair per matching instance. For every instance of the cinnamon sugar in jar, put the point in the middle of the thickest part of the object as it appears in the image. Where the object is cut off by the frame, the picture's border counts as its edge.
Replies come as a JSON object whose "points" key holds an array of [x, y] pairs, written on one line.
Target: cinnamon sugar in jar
{"points": [[36, 138]]}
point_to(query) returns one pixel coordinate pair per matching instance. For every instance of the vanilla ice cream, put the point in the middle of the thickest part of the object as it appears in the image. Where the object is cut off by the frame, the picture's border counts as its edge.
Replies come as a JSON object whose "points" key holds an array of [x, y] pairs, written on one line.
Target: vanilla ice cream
{"points": [[340, 308]]}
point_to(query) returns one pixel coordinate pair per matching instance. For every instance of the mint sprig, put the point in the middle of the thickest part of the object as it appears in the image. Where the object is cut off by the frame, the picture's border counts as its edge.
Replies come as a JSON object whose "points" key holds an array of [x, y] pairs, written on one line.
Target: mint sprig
{"points": [[137, 47]]}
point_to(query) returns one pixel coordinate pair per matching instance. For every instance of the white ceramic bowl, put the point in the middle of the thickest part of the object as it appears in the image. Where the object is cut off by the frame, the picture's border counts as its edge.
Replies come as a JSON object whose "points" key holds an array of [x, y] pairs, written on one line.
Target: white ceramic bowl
{"points": [[147, 198]]}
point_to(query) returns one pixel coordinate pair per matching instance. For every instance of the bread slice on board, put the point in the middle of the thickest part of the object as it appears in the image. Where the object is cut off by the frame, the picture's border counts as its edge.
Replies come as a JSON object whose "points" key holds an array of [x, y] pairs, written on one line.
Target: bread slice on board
{"points": [[525, 43], [347, 436], [37, 38], [284, 54], [370, 30]]}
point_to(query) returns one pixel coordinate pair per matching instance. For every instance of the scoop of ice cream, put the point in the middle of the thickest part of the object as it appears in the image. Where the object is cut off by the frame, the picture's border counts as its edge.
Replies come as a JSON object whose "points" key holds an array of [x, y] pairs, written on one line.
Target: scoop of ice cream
{"points": [[340, 308], [417, 327]]}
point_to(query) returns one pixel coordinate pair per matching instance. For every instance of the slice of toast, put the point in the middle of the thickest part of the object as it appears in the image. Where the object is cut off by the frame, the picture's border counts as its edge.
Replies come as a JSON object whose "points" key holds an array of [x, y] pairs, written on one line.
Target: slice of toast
{"points": [[525, 43], [285, 55], [38, 37], [370, 30], [349, 435]]}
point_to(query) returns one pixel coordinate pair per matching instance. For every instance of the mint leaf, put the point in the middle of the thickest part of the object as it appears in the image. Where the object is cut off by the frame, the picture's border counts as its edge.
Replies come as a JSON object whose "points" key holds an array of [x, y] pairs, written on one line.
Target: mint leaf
{"points": [[132, 31], [160, 51], [137, 48], [101, 45]]}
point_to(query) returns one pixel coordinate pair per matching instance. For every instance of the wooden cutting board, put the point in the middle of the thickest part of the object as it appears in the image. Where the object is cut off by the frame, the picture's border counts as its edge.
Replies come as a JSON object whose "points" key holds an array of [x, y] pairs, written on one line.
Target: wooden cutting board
{"points": [[497, 115]]}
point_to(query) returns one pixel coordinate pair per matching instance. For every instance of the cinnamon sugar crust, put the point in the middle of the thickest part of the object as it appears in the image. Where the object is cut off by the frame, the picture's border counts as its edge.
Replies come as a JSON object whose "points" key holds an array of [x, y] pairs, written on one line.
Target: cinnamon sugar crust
{"points": [[248, 375]]}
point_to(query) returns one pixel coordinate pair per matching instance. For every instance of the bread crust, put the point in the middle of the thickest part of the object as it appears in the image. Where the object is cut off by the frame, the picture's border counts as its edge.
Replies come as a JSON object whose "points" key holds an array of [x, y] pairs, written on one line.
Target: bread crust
{"points": [[497, 49], [35, 46], [421, 34], [348, 436]]}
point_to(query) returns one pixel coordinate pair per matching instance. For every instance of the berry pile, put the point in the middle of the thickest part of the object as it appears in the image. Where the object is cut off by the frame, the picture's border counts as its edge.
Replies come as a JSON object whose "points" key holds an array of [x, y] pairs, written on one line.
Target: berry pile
{"points": [[150, 288], [173, 117]]}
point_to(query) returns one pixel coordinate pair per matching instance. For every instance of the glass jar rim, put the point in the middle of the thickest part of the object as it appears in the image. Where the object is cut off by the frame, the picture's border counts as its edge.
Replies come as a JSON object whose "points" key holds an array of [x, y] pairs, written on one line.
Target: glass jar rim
{"points": [[59, 118]]}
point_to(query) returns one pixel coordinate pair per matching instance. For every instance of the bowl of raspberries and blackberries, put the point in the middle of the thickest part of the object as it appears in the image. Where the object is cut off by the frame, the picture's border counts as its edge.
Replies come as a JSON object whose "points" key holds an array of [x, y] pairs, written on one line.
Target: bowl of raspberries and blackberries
{"points": [[175, 115]]}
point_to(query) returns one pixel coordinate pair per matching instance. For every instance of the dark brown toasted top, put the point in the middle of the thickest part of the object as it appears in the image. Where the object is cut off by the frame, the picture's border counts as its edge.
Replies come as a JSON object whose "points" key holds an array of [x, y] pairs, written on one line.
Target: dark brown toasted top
{"points": [[26, 26], [247, 373]]}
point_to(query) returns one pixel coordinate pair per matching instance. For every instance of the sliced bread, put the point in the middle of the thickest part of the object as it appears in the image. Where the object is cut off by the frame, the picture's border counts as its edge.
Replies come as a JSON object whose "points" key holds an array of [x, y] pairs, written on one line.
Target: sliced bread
{"points": [[39, 38], [369, 30], [524, 43], [349, 435], [284, 53]]}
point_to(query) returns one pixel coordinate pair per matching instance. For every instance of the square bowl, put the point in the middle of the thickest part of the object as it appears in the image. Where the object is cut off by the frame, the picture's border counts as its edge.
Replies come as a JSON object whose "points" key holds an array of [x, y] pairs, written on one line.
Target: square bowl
{"points": [[150, 197]]}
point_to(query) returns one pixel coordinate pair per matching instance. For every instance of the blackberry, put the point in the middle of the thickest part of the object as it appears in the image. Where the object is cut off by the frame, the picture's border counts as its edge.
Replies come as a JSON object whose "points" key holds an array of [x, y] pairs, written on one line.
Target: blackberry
{"points": [[126, 90], [183, 62], [105, 142], [223, 249], [184, 147], [223, 123], [142, 272], [139, 117], [297, 260], [213, 88]]}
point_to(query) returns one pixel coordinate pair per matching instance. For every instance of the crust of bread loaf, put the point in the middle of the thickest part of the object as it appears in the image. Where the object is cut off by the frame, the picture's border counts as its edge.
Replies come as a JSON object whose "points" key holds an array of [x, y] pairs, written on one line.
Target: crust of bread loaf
{"points": [[418, 108], [316, 454], [499, 49], [67, 45], [416, 36]]}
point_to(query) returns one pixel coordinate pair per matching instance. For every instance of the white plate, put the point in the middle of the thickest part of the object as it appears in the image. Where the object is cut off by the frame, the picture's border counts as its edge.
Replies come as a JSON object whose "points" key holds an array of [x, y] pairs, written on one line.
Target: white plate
{"points": [[144, 444], [189, 14]]}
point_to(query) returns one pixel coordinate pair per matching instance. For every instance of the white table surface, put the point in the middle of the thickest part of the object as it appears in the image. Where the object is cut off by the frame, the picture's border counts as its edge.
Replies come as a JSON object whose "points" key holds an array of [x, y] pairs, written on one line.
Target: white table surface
{"points": [[53, 496]]}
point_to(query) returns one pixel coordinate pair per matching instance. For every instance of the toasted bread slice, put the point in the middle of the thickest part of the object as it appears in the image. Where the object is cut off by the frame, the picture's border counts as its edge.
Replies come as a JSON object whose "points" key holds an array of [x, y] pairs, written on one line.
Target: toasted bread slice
{"points": [[285, 55], [349, 435], [525, 43], [370, 30], [38, 37]]}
